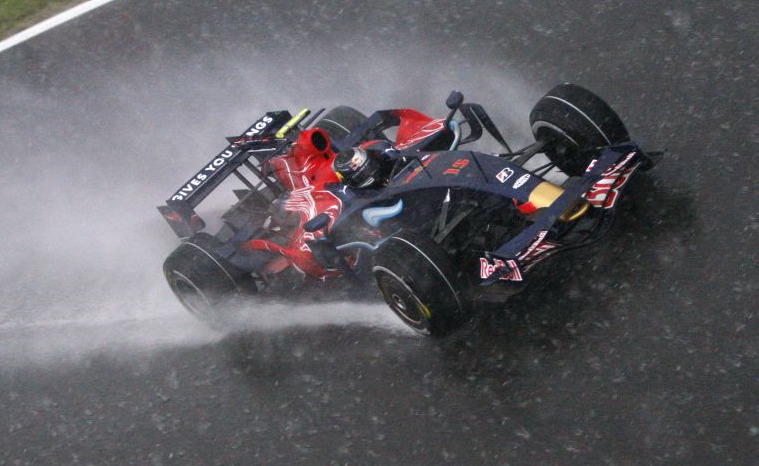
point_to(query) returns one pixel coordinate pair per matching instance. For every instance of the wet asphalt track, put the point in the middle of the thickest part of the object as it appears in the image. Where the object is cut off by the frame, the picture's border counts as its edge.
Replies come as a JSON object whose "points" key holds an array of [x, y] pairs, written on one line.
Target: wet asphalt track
{"points": [[640, 350]]}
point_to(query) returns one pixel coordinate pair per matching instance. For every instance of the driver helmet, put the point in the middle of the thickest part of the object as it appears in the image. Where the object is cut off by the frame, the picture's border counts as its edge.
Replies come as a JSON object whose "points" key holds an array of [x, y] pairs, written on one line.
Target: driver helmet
{"points": [[358, 168]]}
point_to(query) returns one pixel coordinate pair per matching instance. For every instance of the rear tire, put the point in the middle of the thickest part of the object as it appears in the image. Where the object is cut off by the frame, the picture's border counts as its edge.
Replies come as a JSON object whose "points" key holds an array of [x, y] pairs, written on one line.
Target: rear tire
{"points": [[207, 286], [572, 120], [340, 121], [418, 282]]}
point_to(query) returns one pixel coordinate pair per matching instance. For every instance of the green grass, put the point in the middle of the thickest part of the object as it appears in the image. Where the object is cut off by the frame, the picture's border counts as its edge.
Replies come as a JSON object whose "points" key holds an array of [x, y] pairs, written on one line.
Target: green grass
{"points": [[17, 15]]}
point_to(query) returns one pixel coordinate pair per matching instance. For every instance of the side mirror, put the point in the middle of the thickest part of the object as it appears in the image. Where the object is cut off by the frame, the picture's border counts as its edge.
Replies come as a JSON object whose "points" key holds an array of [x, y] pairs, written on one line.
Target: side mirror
{"points": [[454, 100], [317, 223]]}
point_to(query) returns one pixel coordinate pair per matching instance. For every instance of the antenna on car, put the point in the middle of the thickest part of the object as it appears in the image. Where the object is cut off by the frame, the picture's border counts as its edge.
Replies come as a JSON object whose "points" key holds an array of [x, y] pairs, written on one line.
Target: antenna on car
{"points": [[307, 123], [421, 165]]}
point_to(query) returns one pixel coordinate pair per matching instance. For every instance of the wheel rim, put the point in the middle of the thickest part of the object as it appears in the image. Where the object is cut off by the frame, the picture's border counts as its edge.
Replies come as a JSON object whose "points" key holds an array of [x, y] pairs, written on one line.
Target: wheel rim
{"points": [[408, 311], [192, 297], [560, 141], [564, 151], [402, 300]]}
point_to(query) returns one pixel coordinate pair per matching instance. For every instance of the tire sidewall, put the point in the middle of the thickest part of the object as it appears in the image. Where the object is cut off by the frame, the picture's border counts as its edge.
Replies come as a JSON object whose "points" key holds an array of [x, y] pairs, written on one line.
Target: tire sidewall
{"points": [[417, 265], [340, 121], [575, 120], [207, 286]]}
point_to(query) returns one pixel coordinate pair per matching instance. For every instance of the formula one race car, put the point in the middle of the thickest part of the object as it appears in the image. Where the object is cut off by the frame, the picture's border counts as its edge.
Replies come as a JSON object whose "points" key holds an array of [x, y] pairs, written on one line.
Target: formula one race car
{"points": [[394, 199]]}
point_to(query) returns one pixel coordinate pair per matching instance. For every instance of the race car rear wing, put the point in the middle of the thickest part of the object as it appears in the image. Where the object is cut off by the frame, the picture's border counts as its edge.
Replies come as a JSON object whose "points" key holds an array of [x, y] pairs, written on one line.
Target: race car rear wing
{"points": [[259, 142]]}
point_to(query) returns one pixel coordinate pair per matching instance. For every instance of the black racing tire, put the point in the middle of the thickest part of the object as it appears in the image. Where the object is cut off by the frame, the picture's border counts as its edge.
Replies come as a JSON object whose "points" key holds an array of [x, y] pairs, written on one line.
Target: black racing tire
{"points": [[340, 121], [572, 120], [419, 283], [209, 287]]}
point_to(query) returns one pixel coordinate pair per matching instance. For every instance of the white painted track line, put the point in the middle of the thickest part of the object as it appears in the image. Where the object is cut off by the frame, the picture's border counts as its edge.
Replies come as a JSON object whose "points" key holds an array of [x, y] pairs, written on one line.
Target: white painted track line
{"points": [[50, 23]]}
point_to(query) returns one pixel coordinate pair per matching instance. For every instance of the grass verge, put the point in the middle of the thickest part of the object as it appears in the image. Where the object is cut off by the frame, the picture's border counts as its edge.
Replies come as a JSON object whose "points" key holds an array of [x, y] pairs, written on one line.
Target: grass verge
{"points": [[17, 15]]}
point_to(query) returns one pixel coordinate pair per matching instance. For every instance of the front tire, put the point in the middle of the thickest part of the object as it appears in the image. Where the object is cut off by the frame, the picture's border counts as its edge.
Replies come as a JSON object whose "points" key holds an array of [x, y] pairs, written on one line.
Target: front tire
{"points": [[571, 120], [418, 281], [207, 286]]}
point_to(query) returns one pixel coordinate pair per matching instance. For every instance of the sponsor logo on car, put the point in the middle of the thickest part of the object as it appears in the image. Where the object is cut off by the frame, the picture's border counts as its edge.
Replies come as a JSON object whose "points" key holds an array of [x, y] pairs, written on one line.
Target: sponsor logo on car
{"points": [[605, 192], [456, 167], [259, 126], [504, 174], [534, 252], [203, 175], [538, 239], [220, 160], [522, 180], [487, 268]]}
